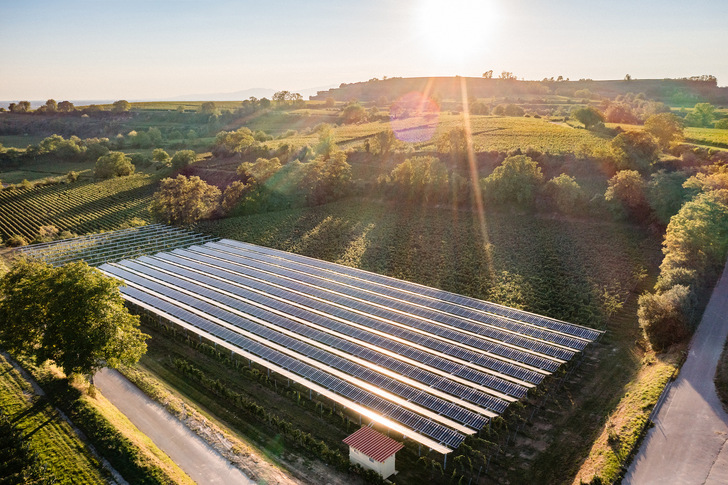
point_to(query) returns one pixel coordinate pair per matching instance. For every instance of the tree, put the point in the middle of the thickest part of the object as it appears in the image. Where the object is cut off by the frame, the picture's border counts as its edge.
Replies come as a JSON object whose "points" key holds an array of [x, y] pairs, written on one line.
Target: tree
{"points": [[628, 188], [697, 236], [455, 143], [702, 114], [329, 102], [515, 180], [51, 106], [233, 142], [185, 200], [589, 116], [666, 194], [488, 74], [665, 317], [20, 107], [121, 106], [232, 196], [159, 155], [260, 171], [565, 192], [113, 164], [665, 127], [72, 315], [183, 158], [620, 113], [66, 107], [634, 150], [420, 179], [208, 108], [627, 77], [385, 141], [353, 113]]}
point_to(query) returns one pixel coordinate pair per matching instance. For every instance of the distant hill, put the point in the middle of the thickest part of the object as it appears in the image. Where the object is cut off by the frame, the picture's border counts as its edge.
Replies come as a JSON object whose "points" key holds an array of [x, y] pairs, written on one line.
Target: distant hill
{"points": [[683, 92]]}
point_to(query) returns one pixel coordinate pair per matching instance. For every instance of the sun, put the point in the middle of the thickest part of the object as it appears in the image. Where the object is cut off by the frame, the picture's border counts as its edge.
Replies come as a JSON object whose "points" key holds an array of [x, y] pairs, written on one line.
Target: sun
{"points": [[455, 29]]}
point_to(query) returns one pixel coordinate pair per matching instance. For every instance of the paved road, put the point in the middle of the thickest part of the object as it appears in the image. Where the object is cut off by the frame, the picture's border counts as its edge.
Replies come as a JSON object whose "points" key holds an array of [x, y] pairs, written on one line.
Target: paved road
{"points": [[202, 463], [689, 443]]}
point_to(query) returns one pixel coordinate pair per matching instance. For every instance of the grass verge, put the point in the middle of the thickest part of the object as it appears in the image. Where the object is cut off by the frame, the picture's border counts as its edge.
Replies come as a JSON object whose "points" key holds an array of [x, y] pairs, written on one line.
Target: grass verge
{"points": [[624, 427], [45, 435], [133, 455]]}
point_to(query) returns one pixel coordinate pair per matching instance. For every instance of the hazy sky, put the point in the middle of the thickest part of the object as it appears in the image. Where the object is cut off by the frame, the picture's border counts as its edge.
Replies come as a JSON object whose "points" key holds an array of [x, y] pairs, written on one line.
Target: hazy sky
{"points": [[142, 49]]}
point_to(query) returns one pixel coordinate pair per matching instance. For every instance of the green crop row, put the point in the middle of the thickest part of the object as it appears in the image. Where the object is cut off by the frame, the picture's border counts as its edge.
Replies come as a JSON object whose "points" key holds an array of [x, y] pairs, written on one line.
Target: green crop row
{"points": [[81, 207]]}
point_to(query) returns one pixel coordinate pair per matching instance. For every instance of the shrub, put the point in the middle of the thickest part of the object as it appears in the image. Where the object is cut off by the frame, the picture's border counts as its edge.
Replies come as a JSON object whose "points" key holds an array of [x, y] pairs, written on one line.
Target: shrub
{"points": [[517, 180], [15, 241], [634, 150], [665, 317], [115, 164], [183, 158]]}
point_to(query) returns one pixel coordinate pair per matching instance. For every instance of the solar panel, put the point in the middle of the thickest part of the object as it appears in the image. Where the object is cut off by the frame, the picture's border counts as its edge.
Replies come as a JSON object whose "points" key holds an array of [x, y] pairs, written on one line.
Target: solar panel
{"points": [[338, 340], [308, 286], [412, 420], [355, 313], [436, 363], [550, 323]]}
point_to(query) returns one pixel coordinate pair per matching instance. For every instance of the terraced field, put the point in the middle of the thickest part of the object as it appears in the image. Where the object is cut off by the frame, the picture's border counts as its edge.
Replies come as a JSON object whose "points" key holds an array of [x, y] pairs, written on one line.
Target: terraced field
{"points": [[81, 207]]}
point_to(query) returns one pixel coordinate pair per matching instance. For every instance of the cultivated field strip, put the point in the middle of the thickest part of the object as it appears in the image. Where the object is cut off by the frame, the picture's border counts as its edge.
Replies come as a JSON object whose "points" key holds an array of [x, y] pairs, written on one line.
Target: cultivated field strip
{"points": [[434, 369], [80, 207]]}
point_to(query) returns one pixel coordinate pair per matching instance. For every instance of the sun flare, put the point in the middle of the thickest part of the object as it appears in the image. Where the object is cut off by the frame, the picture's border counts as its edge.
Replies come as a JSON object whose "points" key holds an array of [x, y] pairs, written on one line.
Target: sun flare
{"points": [[456, 29]]}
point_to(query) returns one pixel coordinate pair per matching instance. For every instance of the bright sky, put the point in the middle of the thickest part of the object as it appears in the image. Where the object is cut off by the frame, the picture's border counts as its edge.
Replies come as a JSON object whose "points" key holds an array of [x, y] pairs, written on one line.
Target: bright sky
{"points": [[156, 49]]}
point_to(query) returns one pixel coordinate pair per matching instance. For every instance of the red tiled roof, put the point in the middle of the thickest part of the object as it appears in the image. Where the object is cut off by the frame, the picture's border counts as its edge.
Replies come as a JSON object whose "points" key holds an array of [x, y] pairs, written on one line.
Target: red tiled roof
{"points": [[373, 444]]}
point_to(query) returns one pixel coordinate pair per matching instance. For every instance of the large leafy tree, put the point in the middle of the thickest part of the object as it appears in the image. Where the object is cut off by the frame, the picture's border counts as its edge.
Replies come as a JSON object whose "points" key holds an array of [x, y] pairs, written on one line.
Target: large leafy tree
{"points": [[702, 114], [421, 178], [516, 180], [628, 188], [589, 116], [121, 106], [113, 164], [184, 200], [72, 315], [665, 127], [634, 150]]}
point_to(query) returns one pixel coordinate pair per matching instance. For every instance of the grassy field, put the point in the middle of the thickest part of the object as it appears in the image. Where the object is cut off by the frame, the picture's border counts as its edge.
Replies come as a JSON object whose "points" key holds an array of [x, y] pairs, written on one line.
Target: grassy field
{"points": [[707, 136], [80, 207], [489, 133], [58, 448], [19, 141]]}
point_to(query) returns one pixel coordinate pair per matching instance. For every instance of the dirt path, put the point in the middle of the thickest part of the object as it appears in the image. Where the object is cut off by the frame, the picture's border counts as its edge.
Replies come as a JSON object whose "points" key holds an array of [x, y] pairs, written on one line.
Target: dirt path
{"points": [[202, 463], [689, 442]]}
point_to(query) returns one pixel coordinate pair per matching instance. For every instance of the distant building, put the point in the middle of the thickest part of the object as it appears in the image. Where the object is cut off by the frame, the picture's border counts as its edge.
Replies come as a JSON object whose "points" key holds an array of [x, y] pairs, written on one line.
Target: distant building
{"points": [[373, 450]]}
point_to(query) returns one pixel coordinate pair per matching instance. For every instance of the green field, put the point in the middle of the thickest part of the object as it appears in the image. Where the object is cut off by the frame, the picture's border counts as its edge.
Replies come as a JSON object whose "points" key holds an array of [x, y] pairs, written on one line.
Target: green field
{"points": [[46, 433], [80, 207], [707, 136]]}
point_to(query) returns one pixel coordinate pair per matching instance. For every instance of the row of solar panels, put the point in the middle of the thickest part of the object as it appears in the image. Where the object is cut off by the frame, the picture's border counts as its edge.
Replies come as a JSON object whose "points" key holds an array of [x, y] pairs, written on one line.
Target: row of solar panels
{"points": [[440, 368], [585, 333]]}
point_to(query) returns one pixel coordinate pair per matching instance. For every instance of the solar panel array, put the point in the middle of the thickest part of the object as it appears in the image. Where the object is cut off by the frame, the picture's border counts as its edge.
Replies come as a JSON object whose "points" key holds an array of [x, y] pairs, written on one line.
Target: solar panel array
{"points": [[434, 365], [112, 246]]}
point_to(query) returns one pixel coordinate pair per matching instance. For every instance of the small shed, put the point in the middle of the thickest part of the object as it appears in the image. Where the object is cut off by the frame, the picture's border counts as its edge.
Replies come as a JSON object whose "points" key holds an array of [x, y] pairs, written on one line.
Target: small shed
{"points": [[373, 450]]}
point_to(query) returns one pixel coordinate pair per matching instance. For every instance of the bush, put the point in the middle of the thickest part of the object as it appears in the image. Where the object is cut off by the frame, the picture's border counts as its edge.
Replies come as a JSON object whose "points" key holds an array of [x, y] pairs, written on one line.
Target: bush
{"points": [[115, 164], [516, 180], [183, 158], [634, 150], [15, 241], [665, 317], [565, 192]]}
